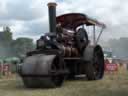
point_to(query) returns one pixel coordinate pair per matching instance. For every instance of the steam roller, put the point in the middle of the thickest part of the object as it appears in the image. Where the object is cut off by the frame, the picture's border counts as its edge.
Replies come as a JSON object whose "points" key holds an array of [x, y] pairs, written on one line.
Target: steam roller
{"points": [[64, 52]]}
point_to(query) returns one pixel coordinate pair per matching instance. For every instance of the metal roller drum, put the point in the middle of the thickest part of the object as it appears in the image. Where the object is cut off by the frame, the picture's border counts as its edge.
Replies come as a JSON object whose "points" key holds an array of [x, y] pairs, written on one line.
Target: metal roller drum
{"points": [[42, 71]]}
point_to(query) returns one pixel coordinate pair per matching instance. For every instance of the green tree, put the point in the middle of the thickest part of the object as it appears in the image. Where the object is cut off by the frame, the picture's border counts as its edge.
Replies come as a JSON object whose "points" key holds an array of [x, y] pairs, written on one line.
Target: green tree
{"points": [[119, 47], [22, 45], [5, 42], [7, 34]]}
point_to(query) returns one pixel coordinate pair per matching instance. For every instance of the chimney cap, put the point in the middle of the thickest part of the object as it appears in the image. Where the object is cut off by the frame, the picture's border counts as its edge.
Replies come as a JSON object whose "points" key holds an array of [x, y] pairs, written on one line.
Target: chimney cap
{"points": [[52, 4]]}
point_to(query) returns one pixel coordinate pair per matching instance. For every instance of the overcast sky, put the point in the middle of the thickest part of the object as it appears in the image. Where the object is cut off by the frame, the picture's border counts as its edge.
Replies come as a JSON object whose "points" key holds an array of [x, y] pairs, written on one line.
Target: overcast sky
{"points": [[29, 18]]}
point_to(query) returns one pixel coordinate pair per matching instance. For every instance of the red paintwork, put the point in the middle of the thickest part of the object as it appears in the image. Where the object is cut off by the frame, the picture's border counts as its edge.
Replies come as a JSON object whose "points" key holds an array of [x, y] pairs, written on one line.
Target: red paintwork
{"points": [[73, 20]]}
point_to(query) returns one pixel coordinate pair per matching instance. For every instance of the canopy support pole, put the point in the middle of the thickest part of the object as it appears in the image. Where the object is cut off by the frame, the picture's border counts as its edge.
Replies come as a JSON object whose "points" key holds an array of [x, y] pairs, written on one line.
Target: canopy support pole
{"points": [[94, 35], [99, 35]]}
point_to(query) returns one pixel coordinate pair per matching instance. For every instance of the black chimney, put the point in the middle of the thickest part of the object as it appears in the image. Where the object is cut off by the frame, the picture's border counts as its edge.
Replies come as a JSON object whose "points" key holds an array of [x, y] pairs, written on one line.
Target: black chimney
{"points": [[52, 16]]}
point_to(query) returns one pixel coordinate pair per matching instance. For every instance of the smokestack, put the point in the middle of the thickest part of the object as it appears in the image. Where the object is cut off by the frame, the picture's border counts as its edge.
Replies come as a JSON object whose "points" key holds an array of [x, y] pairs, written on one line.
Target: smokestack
{"points": [[52, 16]]}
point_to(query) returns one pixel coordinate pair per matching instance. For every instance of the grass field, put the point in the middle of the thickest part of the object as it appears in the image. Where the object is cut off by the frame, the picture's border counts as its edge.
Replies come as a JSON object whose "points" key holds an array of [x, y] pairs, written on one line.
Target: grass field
{"points": [[111, 85]]}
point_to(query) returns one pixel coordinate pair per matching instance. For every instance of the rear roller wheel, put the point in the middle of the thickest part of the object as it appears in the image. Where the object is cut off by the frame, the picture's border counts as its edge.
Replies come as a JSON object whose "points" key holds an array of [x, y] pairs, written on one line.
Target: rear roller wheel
{"points": [[95, 66]]}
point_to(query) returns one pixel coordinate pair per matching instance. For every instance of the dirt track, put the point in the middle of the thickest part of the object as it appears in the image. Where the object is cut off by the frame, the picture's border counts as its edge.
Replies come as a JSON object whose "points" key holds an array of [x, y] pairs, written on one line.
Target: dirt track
{"points": [[116, 85]]}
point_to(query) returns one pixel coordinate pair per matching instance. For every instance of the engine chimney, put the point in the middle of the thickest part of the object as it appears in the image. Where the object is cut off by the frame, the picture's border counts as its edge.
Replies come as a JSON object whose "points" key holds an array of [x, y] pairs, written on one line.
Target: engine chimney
{"points": [[52, 16]]}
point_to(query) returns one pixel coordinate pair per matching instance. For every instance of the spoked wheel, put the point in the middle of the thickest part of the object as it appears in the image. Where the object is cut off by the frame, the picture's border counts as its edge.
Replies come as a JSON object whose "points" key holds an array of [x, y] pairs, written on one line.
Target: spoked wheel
{"points": [[54, 79], [95, 67]]}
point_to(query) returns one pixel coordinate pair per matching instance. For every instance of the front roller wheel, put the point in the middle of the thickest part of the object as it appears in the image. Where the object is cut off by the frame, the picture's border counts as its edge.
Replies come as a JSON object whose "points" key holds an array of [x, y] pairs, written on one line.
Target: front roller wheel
{"points": [[95, 66], [55, 78], [37, 82], [58, 68]]}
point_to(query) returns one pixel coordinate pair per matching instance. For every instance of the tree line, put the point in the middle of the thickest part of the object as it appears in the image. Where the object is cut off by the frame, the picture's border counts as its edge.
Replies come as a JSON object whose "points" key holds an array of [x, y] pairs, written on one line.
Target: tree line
{"points": [[119, 47], [10, 47]]}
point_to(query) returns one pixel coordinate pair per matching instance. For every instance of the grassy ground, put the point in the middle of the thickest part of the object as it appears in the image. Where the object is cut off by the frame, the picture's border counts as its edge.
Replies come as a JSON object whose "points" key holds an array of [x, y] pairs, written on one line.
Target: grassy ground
{"points": [[111, 85]]}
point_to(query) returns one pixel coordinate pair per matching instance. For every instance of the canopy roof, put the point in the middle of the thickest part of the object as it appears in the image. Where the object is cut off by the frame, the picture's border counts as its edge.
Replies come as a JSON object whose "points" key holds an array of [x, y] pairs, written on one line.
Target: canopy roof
{"points": [[73, 20]]}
